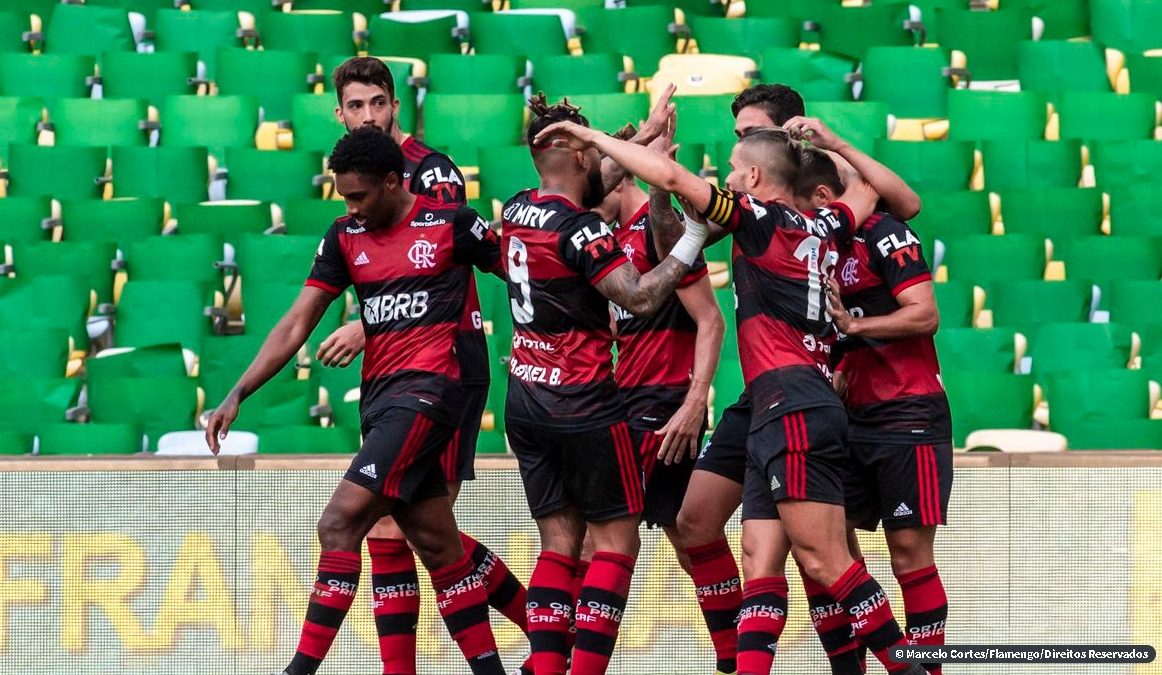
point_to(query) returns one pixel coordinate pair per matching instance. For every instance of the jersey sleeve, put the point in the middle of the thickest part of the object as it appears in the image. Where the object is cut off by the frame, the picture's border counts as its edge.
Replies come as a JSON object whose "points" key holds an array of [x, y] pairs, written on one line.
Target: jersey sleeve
{"points": [[588, 246], [894, 253], [475, 242], [329, 271], [439, 178]]}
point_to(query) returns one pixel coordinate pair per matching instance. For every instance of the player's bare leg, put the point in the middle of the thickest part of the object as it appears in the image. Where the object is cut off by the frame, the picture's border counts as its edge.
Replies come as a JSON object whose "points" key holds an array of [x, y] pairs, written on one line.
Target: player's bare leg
{"points": [[551, 602], [709, 502], [763, 613], [679, 548], [604, 592], [925, 602]]}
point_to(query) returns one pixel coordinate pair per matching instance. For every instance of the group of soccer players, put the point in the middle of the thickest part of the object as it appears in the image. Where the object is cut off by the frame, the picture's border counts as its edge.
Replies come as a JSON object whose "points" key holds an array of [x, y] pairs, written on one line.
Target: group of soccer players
{"points": [[843, 423]]}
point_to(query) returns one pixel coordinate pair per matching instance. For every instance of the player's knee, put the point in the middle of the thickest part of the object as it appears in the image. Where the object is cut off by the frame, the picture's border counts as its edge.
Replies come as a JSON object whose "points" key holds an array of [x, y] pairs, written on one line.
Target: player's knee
{"points": [[909, 554], [695, 528], [337, 532], [435, 552]]}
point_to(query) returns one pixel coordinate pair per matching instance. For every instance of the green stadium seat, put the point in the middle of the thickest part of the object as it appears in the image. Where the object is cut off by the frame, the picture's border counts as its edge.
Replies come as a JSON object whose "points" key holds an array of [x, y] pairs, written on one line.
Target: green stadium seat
{"points": [[610, 112], [1145, 74], [850, 31], [1056, 213], [339, 382], [89, 439], [1131, 26], [728, 381], [265, 301], [149, 76], [1100, 399], [691, 8], [947, 215], [571, 5], [14, 32], [1150, 332], [936, 166], [1125, 162], [272, 175], [530, 35], [147, 8], [817, 75], [25, 219], [979, 350], [15, 442], [861, 123], [19, 117], [1026, 305], [133, 400], [391, 36], [749, 37], [313, 121], [213, 122], [996, 115], [1054, 66], [43, 352], [162, 360], [261, 10], [368, 8], [1126, 299], [273, 77], [988, 401], [1063, 19], [1096, 116], [91, 262], [472, 6], [496, 120], [184, 257], [956, 302], [986, 260], [161, 312], [99, 122], [223, 359], [1102, 259], [311, 216], [989, 40], [41, 8], [1121, 434], [30, 404], [22, 305], [1031, 164], [48, 76], [476, 74], [1134, 210], [504, 172], [641, 33], [285, 403], [88, 30], [307, 440], [559, 76], [285, 259], [121, 221], [1069, 347], [178, 174], [227, 221], [203, 32], [913, 82], [317, 31]]}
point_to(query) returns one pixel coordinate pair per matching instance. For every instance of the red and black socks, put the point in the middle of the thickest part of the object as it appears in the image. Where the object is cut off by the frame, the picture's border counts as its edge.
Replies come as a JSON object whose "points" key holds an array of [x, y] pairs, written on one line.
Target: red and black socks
{"points": [[395, 603], [925, 609], [599, 611], [719, 591], [550, 612], [869, 613], [463, 603], [331, 597], [831, 622], [760, 623]]}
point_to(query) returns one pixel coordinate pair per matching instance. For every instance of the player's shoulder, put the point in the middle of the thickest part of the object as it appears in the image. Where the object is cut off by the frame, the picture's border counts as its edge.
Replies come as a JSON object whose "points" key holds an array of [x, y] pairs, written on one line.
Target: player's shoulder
{"points": [[417, 151], [882, 221], [885, 227], [551, 213], [345, 225]]}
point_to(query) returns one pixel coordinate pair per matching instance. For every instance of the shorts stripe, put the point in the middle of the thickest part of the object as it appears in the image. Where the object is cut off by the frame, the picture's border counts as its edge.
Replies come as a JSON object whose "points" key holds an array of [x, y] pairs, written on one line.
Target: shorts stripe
{"points": [[649, 453], [795, 428], [407, 455], [451, 458], [933, 487], [623, 445], [921, 478]]}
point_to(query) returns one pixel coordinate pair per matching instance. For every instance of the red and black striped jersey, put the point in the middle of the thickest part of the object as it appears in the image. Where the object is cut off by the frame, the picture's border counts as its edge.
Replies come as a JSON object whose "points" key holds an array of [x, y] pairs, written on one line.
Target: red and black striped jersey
{"points": [[655, 355], [433, 174], [894, 392], [780, 259], [411, 279], [561, 372]]}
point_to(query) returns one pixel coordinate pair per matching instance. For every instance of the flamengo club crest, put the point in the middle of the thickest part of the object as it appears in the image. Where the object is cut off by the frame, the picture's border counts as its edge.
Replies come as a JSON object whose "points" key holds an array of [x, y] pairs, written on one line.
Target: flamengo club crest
{"points": [[422, 254], [848, 274]]}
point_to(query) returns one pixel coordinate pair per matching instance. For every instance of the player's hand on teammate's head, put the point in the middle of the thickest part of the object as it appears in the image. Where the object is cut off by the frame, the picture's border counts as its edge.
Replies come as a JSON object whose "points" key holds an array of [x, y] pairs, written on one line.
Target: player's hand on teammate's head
{"points": [[341, 347], [815, 131], [220, 420], [568, 135]]}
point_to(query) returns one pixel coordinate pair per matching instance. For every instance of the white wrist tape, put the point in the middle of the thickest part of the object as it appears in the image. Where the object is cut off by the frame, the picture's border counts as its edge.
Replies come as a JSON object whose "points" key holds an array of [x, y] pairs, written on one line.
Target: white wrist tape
{"points": [[690, 245]]}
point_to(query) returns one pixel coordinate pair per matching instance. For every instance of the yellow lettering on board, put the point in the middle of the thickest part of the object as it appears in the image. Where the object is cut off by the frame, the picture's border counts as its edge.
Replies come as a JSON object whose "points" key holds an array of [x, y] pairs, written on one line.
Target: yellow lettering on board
{"points": [[34, 547], [110, 594], [275, 583], [1145, 583], [197, 595]]}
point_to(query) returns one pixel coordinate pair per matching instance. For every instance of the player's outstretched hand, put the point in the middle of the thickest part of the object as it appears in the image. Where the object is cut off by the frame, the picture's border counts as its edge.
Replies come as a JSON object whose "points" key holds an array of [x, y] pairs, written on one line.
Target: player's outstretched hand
{"points": [[568, 135], [683, 433], [835, 308], [341, 347], [814, 131], [220, 420], [660, 119]]}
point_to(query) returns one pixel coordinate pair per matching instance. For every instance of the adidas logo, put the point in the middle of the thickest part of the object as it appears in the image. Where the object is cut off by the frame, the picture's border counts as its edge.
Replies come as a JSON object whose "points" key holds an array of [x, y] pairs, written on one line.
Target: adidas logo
{"points": [[775, 484], [902, 510], [369, 471], [362, 259]]}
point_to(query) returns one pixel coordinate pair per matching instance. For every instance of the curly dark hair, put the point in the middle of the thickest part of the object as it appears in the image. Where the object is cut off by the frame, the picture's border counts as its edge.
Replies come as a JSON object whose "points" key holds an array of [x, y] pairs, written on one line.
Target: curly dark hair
{"points": [[364, 70], [367, 150], [778, 101], [546, 114], [816, 168]]}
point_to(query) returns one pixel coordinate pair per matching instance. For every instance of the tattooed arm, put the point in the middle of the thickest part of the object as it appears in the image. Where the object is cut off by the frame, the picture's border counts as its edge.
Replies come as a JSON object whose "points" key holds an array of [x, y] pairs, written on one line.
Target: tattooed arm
{"points": [[643, 294]]}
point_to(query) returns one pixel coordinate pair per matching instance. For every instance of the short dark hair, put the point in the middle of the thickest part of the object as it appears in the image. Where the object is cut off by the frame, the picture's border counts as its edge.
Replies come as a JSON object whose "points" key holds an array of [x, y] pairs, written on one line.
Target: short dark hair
{"points": [[364, 70], [369, 151], [783, 156], [816, 168], [545, 115], [778, 101]]}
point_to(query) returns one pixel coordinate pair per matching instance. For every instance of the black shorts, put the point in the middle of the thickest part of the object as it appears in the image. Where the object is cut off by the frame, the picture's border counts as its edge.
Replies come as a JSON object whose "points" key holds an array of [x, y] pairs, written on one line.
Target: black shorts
{"points": [[800, 455], [597, 470], [459, 460], [725, 453], [665, 483], [400, 456], [902, 485]]}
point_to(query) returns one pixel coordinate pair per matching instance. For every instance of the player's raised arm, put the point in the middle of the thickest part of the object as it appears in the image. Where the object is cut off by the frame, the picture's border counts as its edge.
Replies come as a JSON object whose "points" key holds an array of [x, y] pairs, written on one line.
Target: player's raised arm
{"points": [[901, 200], [659, 123]]}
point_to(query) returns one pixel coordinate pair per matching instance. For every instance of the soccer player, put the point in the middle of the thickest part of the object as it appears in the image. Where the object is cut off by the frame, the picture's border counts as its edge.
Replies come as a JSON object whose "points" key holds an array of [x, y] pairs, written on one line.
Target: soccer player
{"points": [[409, 259], [900, 431], [564, 415], [795, 447], [715, 489], [366, 93]]}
